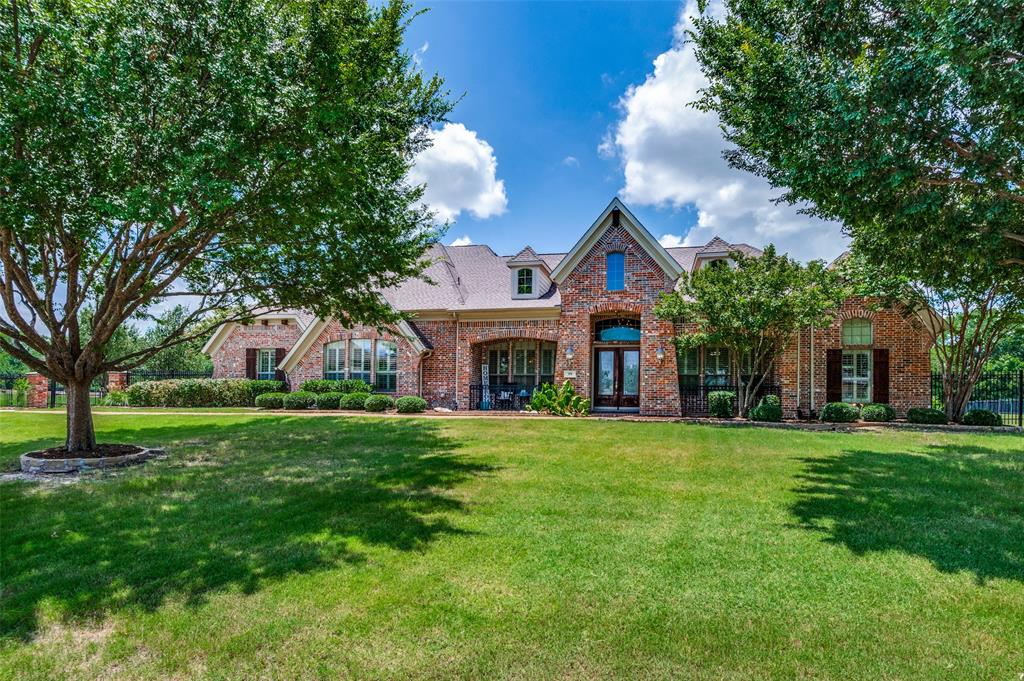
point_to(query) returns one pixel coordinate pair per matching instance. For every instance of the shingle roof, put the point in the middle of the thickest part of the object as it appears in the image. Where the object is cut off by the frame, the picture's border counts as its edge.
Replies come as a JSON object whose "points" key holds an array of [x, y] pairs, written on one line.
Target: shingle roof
{"points": [[527, 256]]}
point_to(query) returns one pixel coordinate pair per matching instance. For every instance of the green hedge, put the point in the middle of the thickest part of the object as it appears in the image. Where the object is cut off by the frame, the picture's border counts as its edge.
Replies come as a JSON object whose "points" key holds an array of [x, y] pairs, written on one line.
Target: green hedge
{"points": [[353, 400], [301, 399], [720, 403], [328, 400], [410, 404], [770, 409], [840, 412], [270, 400], [982, 417], [349, 385], [200, 392], [877, 412], [378, 403], [926, 415]]}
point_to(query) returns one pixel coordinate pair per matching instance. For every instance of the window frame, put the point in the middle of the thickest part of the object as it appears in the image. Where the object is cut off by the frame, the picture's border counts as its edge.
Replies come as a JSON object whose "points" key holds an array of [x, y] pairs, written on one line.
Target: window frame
{"points": [[856, 336], [339, 349], [718, 379], [390, 372], [365, 373], [853, 381], [619, 257], [526, 281], [266, 374]]}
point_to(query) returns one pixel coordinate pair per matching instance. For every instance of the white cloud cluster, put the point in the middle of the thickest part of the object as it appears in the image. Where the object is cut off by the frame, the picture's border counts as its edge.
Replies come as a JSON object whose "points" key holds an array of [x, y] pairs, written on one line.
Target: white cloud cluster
{"points": [[463, 240], [671, 155], [460, 172]]}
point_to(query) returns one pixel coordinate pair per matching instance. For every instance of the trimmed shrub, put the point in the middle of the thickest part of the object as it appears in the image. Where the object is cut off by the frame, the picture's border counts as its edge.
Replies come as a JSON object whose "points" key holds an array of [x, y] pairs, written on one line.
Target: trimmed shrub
{"points": [[328, 400], [200, 392], [840, 412], [720, 403], [558, 400], [349, 385], [770, 409], [301, 399], [270, 400], [877, 412], [982, 417], [378, 403], [926, 415], [410, 404], [353, 400]]}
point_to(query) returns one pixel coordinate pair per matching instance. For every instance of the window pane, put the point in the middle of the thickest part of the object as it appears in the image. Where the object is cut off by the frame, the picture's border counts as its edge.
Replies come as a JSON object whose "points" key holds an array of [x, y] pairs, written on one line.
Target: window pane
{"points": [[857, 332], [605, 369], [334, 361], [716, 366], [524, 281], [361, 360], [687, 361], [631, 372], [265, 365], [856, 385], [616, 271]]}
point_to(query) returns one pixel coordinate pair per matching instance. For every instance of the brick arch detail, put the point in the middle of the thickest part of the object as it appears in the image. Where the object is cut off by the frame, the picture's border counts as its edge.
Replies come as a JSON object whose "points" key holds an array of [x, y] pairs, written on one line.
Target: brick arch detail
{"points": [[613, 307]]}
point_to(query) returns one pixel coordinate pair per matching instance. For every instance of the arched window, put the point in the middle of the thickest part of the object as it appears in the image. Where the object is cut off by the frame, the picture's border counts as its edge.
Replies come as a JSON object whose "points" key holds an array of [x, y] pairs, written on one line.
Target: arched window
{"points": [[615, 274], [618, 330], [334, 361], [857, 332], [524, 281]]}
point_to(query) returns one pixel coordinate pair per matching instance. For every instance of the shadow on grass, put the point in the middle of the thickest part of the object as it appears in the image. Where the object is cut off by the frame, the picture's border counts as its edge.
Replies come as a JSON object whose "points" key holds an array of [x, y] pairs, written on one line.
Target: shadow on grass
{"points": [[231, 508], [960, 507]]}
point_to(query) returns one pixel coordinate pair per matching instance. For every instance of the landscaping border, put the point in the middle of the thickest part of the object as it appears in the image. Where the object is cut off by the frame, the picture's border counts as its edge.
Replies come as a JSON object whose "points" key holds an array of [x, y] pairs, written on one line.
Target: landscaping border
{"points": [[35, 465]]}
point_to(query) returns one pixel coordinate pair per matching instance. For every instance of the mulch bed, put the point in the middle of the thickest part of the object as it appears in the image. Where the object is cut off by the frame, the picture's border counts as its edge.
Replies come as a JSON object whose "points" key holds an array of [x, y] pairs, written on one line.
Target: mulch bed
{"points": [[99, 452]]}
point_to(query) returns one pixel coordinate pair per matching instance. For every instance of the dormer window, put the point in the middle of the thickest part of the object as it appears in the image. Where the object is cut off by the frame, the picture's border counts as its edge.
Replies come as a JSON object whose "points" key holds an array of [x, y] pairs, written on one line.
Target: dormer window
{"points": [[615, 275], [524, 281]]}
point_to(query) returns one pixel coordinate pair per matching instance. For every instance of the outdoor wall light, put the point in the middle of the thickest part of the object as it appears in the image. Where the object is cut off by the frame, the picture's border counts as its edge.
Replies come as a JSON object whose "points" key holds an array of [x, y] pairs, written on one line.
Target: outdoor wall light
{"points": [[569, 353], [661, 352]]}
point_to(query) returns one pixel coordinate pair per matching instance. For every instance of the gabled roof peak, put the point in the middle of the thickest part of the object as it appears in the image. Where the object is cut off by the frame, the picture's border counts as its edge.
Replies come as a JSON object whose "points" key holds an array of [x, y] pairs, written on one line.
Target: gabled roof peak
{"points": [[717, 245], [525, 256]]}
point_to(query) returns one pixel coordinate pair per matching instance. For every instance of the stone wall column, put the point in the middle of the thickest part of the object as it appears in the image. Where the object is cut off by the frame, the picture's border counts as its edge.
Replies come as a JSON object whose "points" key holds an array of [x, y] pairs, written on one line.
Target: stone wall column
{"points": [[38, 391]]}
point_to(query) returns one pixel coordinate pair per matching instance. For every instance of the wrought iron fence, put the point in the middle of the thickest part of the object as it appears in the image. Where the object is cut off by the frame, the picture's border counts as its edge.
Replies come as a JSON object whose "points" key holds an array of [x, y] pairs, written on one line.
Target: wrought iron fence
{"points": [[1001, 392], [500, 397], [694, 397], [137, 375], [97, 392], [13, 390]]}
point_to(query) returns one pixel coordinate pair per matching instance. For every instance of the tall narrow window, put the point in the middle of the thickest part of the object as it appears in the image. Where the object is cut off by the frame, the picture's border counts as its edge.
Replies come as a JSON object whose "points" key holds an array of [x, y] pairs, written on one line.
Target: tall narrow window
{"points": [[334, 361], [689, 369], [361, 359], [524, 281], [547, 363], [497, 365], [856, 376], [716, 367], [524, 363], [615, 276], [387, 366], [266, 364]]}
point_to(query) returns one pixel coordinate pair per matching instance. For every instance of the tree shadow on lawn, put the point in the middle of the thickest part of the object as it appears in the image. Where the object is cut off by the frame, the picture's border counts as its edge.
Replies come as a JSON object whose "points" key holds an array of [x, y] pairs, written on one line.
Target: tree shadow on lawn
{"points": [[960, 507], [231, 507]]}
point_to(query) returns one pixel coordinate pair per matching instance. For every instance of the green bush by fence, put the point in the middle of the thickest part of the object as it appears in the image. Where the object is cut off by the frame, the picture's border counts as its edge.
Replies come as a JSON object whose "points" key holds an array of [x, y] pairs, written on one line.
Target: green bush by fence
{"points": [[720, 403], [840, 412], [200, 392], [349, 385]]}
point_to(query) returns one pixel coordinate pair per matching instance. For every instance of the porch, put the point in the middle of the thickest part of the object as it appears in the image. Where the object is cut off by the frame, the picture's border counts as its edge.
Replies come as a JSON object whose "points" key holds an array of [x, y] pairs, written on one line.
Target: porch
{"points": [[507, 371]]}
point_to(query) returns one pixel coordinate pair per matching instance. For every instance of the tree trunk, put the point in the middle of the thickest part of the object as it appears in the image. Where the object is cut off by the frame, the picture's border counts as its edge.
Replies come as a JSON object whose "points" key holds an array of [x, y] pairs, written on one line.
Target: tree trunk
{"points": [[81, 435]]}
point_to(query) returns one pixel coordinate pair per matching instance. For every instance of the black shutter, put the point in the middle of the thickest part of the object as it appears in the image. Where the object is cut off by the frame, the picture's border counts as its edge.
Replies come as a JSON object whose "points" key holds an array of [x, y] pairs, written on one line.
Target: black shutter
{"points": [[880, 377], [250, 362], [834, 375], [279, 354]]}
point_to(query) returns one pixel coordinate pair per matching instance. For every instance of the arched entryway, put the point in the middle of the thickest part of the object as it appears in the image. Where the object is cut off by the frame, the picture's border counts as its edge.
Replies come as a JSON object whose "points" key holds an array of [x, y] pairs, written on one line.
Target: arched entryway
{"points": [[506, 371], [616, 356]]}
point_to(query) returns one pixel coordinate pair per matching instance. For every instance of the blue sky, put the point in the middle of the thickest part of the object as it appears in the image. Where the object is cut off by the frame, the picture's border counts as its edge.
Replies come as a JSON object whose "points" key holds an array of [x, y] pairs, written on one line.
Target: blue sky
{"points": [[565, 105]]}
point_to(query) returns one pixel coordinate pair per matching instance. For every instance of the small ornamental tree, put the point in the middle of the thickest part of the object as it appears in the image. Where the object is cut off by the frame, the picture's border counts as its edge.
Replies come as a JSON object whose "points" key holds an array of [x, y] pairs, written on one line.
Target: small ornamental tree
{"points": [[231, 153], [753, 309]]}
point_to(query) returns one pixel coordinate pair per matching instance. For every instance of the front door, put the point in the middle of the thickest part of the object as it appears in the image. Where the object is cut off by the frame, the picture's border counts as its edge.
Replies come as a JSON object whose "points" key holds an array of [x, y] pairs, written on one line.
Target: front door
{"points": [[617, 378]]}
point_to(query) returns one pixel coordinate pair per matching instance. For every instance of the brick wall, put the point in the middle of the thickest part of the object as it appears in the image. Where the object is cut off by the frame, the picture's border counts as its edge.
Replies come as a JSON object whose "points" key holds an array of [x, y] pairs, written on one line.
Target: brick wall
{"points": [[229, 359], [909, 359], [585, 298], [439, 366]]}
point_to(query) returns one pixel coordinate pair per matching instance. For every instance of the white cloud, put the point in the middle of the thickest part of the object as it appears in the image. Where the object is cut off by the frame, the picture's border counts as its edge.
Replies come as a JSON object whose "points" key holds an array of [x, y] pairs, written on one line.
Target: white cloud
{"points": [[463, 240], [670, 240], [671, 155], [460, 172], [417, 56], [571, 161]]}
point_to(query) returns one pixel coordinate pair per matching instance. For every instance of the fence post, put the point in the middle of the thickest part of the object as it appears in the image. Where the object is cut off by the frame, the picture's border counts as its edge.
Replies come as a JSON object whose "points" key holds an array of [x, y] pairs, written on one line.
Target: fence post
{"points": [[1020, 397], [38, 388], [117, 380]]}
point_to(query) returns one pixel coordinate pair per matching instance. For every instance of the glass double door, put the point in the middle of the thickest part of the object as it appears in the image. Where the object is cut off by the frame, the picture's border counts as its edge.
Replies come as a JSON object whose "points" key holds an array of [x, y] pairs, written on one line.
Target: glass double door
{"points": [[617, 378]]}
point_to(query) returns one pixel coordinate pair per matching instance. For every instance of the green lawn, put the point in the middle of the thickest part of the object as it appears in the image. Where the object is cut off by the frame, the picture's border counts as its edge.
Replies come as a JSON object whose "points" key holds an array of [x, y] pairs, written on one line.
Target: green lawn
{"points": [[290, 547]]}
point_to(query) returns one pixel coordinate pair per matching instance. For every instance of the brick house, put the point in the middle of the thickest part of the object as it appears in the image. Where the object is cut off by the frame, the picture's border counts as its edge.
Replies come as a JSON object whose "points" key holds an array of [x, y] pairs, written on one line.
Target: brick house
{"points": [[489, 328]]}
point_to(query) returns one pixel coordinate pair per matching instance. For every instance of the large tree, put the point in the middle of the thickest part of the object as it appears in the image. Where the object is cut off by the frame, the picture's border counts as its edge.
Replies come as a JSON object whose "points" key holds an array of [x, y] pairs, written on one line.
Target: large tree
{"points": [[754, 309], [900, 118], [233, 153]]}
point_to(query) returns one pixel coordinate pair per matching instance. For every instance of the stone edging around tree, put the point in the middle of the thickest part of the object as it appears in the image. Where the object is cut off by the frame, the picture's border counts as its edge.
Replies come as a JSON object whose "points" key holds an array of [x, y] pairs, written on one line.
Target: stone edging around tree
{"points": [[35, 465]]}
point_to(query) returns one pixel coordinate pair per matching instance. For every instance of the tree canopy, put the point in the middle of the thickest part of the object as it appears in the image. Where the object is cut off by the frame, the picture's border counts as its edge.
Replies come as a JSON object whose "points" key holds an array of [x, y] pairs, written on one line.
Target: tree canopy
{"points": [[233, 153], [901, 119], [754, 309]]}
